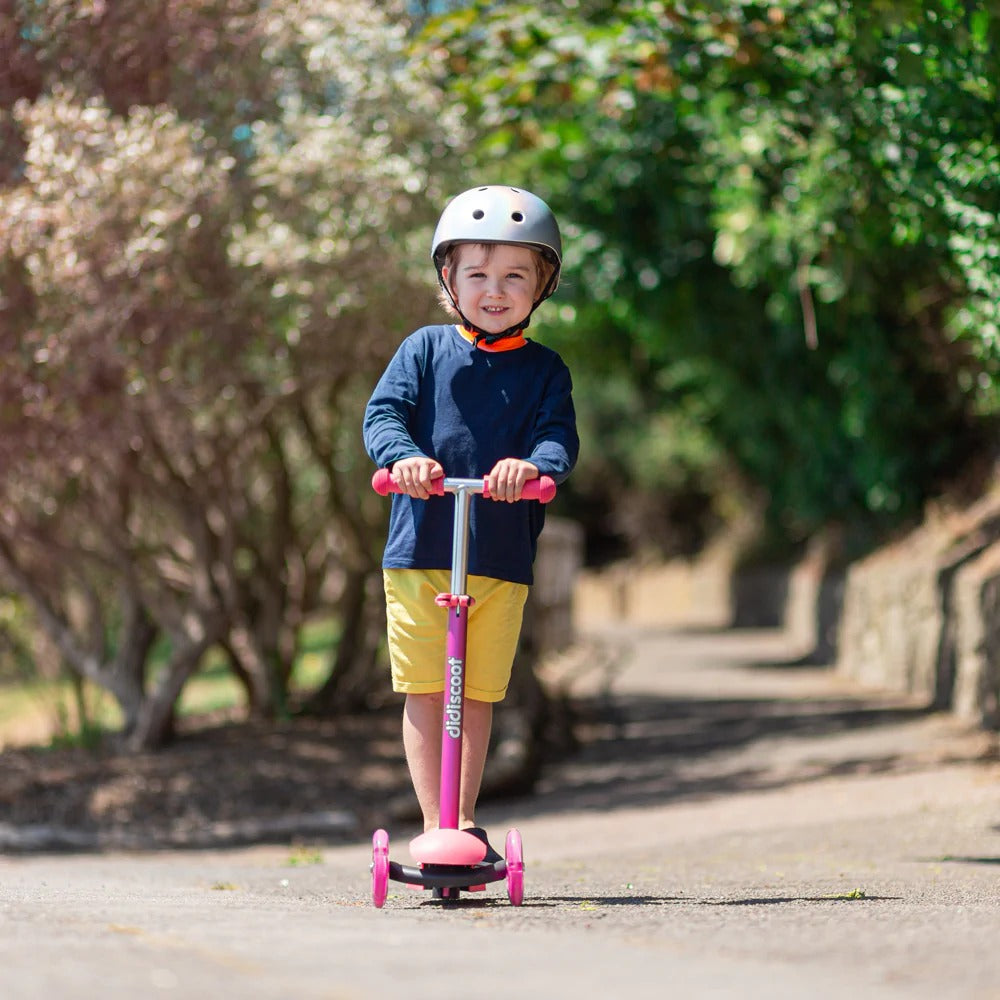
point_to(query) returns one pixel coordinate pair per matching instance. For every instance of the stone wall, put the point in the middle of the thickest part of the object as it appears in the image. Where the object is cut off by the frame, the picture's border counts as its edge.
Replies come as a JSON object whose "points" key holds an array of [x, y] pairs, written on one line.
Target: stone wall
{"points": [[711, 592], [922, 616], [683, 594], [976, 694], [893, 617]]}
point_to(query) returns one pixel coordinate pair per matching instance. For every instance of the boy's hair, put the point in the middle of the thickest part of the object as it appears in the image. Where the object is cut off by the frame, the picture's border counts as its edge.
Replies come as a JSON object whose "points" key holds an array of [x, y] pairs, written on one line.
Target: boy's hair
{"points": [[544, 269]]}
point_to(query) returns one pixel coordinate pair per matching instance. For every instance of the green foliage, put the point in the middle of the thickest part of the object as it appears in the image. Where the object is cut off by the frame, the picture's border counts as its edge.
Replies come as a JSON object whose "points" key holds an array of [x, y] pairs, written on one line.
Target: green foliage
{"points": [[782, 223]]}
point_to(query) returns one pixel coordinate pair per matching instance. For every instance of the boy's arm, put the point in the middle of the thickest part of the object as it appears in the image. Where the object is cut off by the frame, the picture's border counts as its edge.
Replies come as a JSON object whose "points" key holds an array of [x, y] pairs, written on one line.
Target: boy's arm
{"points": [[385, 429], [556, 442]]}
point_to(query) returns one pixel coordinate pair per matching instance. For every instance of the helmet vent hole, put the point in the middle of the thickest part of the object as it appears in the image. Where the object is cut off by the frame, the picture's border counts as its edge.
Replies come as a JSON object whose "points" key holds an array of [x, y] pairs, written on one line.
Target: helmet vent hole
{"points": [[517, 217], [478, 214]]}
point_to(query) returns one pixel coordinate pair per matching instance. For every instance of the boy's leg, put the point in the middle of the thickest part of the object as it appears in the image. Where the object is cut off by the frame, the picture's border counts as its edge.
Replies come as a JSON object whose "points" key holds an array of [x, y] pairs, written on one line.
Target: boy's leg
{"points": [[422, 743], [477, 725]]}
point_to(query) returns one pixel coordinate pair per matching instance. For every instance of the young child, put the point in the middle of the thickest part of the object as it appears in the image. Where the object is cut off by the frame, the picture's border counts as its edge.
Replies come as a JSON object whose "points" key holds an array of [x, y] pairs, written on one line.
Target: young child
{"points": [[470, 400]]}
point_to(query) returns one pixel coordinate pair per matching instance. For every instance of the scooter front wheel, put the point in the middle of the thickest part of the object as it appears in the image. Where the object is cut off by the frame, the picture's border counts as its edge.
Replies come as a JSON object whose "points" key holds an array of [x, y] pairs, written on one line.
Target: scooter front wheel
{"points": [[380, 867], [514, 857]]}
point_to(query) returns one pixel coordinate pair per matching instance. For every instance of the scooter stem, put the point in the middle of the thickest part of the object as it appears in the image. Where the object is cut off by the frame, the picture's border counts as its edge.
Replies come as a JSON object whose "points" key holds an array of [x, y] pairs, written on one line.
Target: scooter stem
{"points": [[453, 717], [460, 536]]}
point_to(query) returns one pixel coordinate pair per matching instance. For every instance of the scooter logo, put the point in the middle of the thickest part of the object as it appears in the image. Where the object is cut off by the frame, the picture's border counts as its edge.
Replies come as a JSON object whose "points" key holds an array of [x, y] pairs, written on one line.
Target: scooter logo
{"points": [[453, 707]]}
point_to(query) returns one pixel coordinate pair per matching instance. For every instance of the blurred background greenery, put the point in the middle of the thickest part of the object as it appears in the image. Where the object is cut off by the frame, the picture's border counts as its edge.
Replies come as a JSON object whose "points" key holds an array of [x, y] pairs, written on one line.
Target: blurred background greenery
{"points": [[781, 300]]}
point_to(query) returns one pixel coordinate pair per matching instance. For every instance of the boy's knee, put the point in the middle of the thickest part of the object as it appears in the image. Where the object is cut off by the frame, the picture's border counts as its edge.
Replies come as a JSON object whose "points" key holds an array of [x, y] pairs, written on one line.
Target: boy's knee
{"points": [[425, 702]]}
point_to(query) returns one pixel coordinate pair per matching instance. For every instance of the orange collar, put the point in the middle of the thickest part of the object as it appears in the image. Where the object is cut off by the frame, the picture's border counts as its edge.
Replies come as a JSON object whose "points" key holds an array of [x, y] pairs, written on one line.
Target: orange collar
{"points": [[507, 344]]}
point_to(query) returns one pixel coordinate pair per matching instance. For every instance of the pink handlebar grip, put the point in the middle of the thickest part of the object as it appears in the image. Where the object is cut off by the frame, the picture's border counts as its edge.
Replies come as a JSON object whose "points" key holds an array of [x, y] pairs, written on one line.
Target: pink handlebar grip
{"points": [[542, 489], [383, 484]]}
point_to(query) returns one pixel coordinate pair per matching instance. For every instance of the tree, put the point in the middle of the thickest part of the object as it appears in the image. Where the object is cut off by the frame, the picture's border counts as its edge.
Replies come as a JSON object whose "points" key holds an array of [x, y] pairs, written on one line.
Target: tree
{"points": [[780, 218], [204, 256]]}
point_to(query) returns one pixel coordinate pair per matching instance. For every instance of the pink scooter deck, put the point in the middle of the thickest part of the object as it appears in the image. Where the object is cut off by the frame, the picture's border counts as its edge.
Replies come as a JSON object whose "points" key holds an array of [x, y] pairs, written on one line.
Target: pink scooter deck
{"points": [[447, 847]]}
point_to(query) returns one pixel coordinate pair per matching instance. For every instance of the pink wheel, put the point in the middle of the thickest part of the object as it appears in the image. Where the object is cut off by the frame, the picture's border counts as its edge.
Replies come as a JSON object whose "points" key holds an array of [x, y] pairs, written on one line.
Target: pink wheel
{"points": [[380, 867], [515, 868]]}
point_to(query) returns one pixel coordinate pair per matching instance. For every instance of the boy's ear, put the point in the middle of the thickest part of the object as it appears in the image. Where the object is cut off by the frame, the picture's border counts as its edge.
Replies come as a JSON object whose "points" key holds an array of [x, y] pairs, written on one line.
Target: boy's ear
{"points": [[446, 275]]}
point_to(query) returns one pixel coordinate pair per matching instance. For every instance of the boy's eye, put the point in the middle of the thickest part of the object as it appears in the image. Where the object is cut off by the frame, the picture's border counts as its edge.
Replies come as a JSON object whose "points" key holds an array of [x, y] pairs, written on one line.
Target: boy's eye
{"points": [[481, 276]]}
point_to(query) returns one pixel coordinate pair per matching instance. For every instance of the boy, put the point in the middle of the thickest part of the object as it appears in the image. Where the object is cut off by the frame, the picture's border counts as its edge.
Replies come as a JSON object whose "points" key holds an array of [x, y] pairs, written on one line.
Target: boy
{"points": [[470, 400]]}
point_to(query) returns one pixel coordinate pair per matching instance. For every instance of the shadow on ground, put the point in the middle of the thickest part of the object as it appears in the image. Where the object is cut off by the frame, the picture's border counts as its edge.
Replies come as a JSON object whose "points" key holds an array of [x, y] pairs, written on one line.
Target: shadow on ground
{"points": [[638, 751], [336, 780]]}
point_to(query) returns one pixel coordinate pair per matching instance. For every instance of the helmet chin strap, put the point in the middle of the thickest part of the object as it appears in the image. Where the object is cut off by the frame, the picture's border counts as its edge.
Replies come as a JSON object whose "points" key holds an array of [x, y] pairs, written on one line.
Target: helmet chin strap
{"points": [[491, 337]]}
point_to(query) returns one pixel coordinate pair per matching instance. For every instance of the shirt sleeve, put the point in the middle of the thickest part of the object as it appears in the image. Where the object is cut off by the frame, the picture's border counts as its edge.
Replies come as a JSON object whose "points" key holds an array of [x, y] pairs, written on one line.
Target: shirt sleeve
{"points": [[556, 442], [385, 429]]}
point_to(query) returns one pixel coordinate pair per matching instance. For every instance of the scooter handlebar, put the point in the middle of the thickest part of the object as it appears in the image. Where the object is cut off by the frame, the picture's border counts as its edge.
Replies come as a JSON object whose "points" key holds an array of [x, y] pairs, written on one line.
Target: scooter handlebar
{"points": [[542, 489]]}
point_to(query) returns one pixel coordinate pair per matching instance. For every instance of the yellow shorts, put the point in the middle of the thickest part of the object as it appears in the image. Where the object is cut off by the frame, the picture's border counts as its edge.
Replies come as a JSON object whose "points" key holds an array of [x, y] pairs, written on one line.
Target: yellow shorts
{"points": [[417, 629]]}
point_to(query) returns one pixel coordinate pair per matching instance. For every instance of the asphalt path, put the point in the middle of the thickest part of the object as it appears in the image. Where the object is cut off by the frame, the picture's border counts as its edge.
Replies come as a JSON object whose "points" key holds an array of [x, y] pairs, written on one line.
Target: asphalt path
{"points": [[736, 826]]}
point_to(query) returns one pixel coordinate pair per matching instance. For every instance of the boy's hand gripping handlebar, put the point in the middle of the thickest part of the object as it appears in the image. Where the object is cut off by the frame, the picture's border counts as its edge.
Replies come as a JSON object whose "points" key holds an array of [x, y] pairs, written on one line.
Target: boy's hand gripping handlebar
{"points": [[542, 489]]}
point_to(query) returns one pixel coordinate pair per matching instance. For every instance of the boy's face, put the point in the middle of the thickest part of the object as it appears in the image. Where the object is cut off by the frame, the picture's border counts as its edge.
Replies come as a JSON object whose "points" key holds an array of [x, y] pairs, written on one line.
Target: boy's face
{"points": [[495, 285]]}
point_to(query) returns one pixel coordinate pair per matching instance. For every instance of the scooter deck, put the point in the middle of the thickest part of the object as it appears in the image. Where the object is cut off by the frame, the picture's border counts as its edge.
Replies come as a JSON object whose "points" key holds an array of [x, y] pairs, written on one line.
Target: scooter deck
{"points": [[448, 876]]}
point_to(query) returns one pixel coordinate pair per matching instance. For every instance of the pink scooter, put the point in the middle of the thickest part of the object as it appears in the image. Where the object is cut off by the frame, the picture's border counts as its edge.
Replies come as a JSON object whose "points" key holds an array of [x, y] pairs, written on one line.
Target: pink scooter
{"points": [[449, 860]]}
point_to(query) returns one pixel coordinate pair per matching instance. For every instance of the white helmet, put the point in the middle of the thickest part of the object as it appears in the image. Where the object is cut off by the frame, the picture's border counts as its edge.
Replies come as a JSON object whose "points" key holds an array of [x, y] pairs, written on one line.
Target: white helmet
{"points": [[499, 214]]}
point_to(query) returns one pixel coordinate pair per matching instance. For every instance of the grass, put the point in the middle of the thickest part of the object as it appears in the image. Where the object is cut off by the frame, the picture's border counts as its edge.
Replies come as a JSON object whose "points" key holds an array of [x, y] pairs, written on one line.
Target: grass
{"points": [[304, 856], [46, 713]]}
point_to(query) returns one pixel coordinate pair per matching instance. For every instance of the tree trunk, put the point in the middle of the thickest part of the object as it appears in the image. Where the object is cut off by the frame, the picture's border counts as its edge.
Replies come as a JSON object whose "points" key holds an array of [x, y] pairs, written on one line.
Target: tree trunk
{"points": [[127, 674], [262, 672], [154, 725], [238, 670], [353, 678]]}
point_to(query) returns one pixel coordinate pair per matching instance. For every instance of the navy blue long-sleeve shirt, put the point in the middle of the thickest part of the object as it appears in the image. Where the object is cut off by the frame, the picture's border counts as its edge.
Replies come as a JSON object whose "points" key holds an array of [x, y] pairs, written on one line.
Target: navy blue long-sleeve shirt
{"points": [[443, 398]]}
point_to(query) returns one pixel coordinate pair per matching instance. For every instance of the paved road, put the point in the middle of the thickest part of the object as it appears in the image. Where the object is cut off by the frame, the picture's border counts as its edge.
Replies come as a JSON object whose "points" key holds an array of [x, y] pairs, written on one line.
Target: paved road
{"points": [[737, 829]]}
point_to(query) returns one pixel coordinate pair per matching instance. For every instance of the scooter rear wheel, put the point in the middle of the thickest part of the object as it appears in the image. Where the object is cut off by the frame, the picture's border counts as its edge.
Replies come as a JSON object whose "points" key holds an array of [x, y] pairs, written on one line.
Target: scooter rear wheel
{"points": [[380, 867], [514, 857]]}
